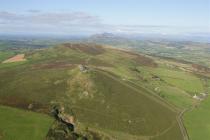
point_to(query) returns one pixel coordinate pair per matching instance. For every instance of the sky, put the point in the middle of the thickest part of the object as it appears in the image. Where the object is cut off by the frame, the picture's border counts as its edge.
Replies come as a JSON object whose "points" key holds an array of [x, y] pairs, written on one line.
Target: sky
{"points": [[97, 16]]}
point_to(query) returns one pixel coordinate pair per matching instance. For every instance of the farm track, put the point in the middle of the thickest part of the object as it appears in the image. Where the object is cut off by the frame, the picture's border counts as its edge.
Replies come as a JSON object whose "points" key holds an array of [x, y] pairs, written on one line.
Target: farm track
{"points": [[181, 124]]}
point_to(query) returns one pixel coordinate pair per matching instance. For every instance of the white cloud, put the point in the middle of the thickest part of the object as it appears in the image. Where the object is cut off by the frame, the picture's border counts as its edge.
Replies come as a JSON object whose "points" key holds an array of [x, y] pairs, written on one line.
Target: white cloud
{"points": [[35, 21], [50, 18]]}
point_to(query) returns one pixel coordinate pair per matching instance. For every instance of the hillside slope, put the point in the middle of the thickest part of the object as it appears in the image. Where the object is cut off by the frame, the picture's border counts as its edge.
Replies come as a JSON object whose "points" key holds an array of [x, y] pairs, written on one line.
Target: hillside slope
{"points": [[118, 93]]}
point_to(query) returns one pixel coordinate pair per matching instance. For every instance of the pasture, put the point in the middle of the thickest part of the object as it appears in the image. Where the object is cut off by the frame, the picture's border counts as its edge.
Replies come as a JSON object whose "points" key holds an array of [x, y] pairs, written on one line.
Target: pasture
{"points": [[17, 124]]}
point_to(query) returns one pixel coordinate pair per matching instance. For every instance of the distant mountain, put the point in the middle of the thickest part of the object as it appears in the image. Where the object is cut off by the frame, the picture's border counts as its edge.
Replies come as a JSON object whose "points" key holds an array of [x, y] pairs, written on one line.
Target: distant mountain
{"points": [[109, 39], [104, 35]]}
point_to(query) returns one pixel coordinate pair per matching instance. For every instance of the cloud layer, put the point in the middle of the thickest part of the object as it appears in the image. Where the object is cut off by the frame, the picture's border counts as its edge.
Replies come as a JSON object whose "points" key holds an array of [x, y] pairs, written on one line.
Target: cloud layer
{"points": [[50, 18], [35, 21]]}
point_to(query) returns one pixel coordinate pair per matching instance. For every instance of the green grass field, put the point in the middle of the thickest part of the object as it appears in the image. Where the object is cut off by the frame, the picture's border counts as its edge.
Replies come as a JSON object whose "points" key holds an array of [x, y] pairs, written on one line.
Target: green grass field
{"points": [[17, 124], [197, 121], [182, 80], [5, 55]]}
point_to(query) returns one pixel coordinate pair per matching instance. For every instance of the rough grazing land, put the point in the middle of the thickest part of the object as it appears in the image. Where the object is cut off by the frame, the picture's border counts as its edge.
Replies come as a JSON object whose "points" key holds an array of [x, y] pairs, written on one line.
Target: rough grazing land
{"points": [[124, 109]]}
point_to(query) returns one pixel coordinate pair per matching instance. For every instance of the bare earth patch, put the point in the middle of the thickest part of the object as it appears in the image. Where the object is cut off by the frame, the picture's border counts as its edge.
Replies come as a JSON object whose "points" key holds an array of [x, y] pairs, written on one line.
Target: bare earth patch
{"points": [[16, 58]]}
